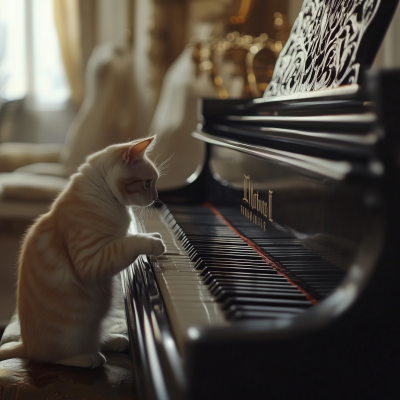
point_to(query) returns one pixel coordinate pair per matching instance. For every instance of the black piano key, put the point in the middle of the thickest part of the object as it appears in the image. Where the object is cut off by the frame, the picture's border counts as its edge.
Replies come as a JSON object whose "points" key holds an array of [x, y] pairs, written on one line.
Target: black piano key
{"points": [[207, 231], [244, 276], [262, 301], [224, 256], [201, 239], [319, 276], [220, 256], [316, 271], [225, 294], [195, 255], [267, 315], [201, 263], [232, 285], [299, 262], [295, 255], [294, 252], [279, 242], [251, 283], [251, 286], [297, 258], [309, 267], [207, 246], [262, 308], [213, 222], [324, 284], [279, 245], [229, 245], [227, 269]]}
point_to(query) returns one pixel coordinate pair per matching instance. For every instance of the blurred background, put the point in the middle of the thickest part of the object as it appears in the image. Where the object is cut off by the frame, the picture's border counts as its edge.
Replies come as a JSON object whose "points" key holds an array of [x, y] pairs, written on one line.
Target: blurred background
{"points": [[45, 46], [78, 75]]}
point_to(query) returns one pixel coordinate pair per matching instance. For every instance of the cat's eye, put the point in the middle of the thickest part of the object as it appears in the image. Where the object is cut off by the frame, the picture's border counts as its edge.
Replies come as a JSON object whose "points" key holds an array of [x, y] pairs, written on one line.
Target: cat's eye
{"points": [[147, 184]]}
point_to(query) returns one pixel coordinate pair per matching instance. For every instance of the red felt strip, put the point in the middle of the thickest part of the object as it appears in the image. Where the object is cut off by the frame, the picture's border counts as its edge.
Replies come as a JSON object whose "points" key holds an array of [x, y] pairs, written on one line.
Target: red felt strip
{"points": [[261, 252]]}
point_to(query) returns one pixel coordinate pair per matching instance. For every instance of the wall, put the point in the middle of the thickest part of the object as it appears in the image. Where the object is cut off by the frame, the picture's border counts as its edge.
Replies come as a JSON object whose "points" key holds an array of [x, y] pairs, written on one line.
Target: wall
{"points": [[294, 7], [112, 20]]}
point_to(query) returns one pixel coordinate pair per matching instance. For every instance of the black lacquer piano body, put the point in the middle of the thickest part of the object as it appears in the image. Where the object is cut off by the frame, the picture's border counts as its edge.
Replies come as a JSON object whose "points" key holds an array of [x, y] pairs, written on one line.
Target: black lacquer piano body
{"points": [[281, 277]]}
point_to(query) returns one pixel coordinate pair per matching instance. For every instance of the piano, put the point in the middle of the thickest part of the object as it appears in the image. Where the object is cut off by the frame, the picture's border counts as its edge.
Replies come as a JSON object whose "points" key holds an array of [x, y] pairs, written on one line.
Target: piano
{"points": [[281, 276]]}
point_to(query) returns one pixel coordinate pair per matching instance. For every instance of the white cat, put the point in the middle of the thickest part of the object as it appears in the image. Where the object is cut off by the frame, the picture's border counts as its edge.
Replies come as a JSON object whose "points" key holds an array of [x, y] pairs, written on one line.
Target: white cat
{"points": [[71, 254]]}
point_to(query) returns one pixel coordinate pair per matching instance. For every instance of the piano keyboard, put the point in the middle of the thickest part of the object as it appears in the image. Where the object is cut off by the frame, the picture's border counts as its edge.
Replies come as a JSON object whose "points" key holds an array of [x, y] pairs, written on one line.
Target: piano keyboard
{"points": [[186, 296], [308, 270], [213, 275]]}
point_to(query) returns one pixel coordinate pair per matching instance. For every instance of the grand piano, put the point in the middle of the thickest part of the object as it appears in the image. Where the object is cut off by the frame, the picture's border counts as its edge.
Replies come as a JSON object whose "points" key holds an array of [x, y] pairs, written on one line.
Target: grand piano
{"points": [[281, 276]]}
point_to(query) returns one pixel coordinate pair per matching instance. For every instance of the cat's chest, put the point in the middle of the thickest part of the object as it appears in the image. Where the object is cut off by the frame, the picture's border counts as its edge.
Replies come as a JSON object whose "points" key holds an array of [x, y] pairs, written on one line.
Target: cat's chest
{"points": [[120, 223]]}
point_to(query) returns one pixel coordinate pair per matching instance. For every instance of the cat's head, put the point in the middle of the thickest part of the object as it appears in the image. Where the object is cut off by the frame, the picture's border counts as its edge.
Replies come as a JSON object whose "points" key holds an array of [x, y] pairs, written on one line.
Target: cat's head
{"points": [[129, 173]]}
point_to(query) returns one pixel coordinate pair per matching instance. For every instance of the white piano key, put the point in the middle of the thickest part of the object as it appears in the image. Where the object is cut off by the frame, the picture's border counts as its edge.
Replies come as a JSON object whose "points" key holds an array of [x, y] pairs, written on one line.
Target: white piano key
{"points": [[187, 299]]}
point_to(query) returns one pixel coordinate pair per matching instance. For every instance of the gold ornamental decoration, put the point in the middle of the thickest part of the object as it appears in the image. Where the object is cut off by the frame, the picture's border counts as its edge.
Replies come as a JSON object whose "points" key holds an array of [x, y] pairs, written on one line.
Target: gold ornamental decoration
{"points": [[243, 50]]}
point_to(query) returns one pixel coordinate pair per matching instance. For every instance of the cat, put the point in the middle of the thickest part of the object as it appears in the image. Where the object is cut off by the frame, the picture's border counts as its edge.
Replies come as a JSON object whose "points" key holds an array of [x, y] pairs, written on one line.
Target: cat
{"points": [[70, 255]]}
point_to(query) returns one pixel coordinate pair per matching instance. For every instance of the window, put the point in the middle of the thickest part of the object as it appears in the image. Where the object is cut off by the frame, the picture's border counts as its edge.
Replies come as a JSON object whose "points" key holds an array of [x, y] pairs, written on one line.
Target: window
{"points": [[30, 57]]}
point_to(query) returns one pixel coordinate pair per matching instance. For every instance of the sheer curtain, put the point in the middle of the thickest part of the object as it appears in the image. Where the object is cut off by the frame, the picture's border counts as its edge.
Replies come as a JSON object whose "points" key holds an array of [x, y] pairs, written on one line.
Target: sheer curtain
{"points": [[66, 15], [13, 68], [76, 26], [30, 59]]}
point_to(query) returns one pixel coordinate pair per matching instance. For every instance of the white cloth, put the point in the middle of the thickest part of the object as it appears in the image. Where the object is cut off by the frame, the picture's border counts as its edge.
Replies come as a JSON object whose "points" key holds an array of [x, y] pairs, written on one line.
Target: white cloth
{"points": [[176, 117]]}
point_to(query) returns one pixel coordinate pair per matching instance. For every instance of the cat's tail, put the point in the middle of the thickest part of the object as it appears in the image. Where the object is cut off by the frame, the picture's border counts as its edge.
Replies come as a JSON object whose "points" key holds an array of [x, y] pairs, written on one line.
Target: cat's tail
{"points": [[9, 351]]}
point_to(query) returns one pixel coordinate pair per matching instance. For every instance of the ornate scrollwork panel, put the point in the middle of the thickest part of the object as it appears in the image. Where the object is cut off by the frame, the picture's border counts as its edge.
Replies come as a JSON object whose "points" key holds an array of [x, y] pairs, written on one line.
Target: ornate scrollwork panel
{"points": [[322, 47]]}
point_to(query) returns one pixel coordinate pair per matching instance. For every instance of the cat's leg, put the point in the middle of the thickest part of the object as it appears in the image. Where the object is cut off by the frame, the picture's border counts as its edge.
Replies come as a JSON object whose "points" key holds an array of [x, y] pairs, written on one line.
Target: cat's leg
{"points": [[155, 234], [88, 360], [115, 343], [149, 243], [115, 256]]}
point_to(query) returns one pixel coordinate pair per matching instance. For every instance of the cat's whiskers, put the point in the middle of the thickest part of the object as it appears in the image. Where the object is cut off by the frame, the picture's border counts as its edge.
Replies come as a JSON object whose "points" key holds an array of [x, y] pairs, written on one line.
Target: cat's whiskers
{"points": [[155, 160], [163, 167], [151, 210], [145, 212], [139, 212]]}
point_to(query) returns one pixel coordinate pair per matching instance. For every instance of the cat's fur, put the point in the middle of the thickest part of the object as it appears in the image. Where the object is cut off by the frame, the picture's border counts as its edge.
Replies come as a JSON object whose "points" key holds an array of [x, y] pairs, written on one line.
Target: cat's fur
{"points": [[70, 255]]}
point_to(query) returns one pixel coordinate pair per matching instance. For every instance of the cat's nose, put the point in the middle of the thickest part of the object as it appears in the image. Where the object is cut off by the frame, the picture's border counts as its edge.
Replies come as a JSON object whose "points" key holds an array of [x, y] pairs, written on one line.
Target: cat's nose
{"points": [[155, 196]]}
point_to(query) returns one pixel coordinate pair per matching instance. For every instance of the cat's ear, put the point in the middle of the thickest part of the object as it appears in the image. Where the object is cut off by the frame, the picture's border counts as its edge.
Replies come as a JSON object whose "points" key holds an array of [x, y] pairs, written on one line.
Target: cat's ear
{"points": [[138, 149]]}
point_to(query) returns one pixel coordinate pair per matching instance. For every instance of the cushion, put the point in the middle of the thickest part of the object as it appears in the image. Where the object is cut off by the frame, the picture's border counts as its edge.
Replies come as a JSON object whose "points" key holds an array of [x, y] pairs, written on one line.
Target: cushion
{"points": [[44, 168], [30, 187], [14, 155]]}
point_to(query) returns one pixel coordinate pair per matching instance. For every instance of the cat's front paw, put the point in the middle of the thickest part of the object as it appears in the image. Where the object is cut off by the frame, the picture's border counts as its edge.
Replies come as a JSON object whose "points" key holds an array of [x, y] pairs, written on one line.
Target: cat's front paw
{"points": [[155, 234], [158, 247], [152, 244], [115, 343]]}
